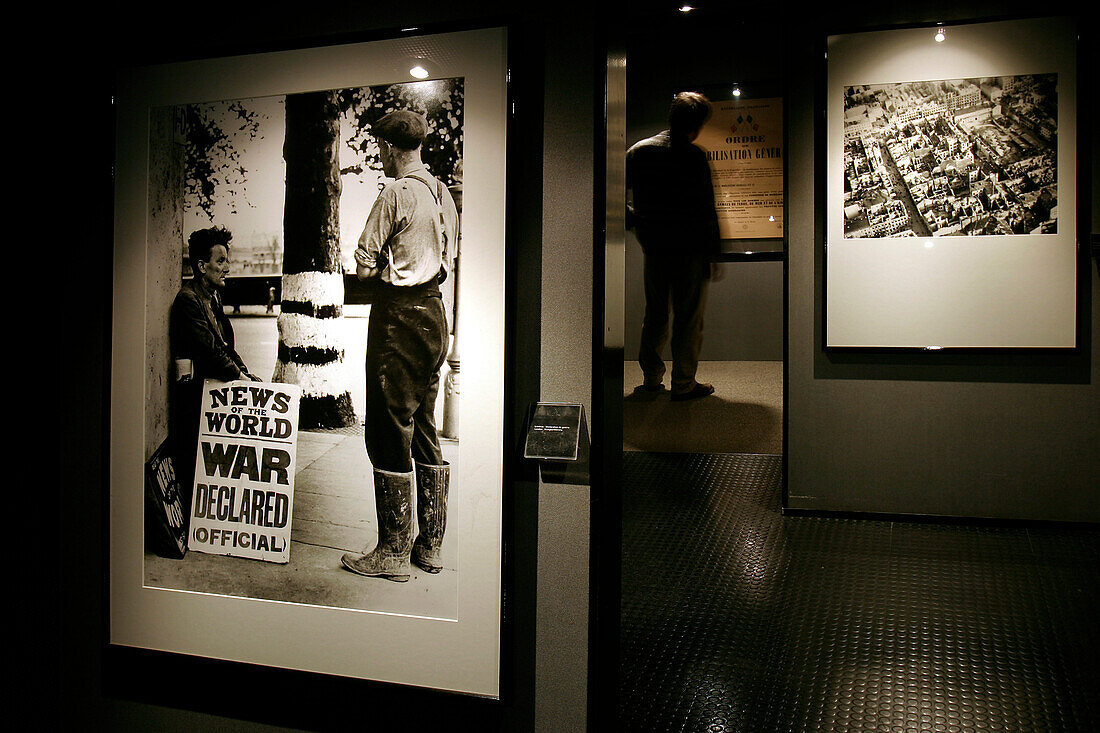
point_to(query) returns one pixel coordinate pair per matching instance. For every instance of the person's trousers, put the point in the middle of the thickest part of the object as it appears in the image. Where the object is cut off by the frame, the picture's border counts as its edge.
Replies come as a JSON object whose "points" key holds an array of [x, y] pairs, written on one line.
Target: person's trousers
{"points": [[184, 413], [406, 346], [679, 282]]}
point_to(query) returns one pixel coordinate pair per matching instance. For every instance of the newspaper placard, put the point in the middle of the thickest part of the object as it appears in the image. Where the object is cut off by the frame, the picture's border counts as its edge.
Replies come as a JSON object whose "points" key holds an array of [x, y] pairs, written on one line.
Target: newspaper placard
{"points": [[166, 526], [243, 497], [743, 141]]}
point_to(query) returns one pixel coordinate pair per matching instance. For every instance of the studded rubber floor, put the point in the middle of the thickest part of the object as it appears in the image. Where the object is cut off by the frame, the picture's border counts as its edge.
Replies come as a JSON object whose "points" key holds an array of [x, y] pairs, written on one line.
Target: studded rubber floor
{"points": [[736, 618]]}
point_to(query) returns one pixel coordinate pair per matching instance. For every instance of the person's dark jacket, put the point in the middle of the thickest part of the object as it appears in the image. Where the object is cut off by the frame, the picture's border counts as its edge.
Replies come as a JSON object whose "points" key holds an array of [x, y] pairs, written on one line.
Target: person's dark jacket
{"points": [[673, 208], [200, 331]]}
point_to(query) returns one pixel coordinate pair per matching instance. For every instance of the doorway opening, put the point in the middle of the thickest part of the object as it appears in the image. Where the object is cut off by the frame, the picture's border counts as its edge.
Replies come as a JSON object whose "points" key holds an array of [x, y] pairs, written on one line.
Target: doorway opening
{"points": [[743, 334]]}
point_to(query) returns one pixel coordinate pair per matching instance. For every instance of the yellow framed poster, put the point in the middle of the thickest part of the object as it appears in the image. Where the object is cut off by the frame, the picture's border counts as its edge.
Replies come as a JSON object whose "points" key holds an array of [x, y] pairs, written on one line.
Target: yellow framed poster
{"points": [[743, 140]]}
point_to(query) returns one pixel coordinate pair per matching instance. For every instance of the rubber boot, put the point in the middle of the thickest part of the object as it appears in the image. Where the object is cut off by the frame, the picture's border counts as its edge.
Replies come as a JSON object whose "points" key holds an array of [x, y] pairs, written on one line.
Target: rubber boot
{"points": [[432, 484], [390, 557]]}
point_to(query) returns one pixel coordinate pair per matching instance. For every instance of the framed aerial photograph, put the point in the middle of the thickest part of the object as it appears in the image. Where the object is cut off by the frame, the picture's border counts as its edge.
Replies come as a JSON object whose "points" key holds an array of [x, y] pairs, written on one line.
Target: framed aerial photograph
{"points": [[250, 191], [951, 176]]}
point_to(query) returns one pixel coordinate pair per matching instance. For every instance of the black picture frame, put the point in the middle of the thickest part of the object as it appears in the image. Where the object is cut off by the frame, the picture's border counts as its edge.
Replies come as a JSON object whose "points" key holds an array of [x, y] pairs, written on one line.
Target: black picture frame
{"points": [[127, 614], [1073, 327]]}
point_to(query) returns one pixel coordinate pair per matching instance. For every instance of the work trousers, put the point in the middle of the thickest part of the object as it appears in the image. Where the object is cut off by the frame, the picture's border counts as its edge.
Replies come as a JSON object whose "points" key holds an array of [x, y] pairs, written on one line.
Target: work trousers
{"points": [[406, 346], [185, 412], [682, 283]]}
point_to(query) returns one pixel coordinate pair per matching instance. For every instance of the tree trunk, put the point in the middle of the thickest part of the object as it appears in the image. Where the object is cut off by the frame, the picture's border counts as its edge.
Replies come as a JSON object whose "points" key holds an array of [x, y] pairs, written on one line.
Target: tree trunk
{"points": [[310, 350]]}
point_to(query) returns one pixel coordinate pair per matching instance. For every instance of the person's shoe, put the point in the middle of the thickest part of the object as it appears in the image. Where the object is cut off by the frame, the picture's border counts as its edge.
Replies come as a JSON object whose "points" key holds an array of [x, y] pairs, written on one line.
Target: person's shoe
{"points": [[378, 564], [654, 387], [390, 557], [432, 484], [699, 390]]}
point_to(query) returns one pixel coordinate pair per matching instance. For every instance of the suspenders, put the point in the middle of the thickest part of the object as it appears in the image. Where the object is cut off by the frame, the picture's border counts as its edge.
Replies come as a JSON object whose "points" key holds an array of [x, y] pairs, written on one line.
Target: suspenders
{"points": [[437, 195]]}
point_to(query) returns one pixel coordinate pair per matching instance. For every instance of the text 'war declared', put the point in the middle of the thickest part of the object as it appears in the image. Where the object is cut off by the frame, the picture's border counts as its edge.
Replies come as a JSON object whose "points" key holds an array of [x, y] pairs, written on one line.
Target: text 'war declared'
{"points": [[244, 470]]}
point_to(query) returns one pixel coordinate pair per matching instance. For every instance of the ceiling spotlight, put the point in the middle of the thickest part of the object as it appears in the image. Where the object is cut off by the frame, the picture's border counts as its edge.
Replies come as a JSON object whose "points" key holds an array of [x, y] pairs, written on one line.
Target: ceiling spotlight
{"points": [[941, 34], [737, 91], [686, 8], [418, 72]]}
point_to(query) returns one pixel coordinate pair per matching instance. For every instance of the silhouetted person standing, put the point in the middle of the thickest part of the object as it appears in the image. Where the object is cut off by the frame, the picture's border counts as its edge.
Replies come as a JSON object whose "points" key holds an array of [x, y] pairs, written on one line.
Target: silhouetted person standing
{"points": [[673, 215]]}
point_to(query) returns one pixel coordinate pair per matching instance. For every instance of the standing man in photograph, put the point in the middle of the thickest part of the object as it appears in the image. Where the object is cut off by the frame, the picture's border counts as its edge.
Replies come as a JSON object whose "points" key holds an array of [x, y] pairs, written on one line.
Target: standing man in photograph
{"points": [[407, 246], [673, 215]]}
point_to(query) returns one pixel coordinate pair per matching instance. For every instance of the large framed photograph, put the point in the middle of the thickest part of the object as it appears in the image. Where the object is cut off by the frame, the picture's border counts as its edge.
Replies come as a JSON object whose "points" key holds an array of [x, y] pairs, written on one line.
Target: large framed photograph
{"points": [[951, 175], [299, 476]]}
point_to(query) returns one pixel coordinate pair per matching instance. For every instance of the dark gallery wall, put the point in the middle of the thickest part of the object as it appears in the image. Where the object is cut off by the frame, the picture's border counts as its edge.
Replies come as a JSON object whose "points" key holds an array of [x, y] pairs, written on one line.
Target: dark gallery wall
{"points": [[565, 368], [978, 435], [992, 435], [982, 435], [744, 314]]}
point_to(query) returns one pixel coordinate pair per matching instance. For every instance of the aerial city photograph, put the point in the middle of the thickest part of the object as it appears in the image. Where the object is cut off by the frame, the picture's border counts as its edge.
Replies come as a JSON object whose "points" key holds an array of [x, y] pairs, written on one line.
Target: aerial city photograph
{"points": [[957, 157]]}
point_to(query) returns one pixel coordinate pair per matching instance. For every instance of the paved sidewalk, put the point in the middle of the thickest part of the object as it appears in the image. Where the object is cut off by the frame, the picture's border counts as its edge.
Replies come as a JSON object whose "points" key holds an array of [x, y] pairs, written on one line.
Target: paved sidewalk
{"points": [[333, 514]]}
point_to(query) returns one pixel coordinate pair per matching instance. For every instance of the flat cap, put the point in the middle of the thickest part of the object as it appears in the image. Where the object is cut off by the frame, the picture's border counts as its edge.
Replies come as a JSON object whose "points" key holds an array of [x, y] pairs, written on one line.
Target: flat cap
{"points": [[401, 128]]}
